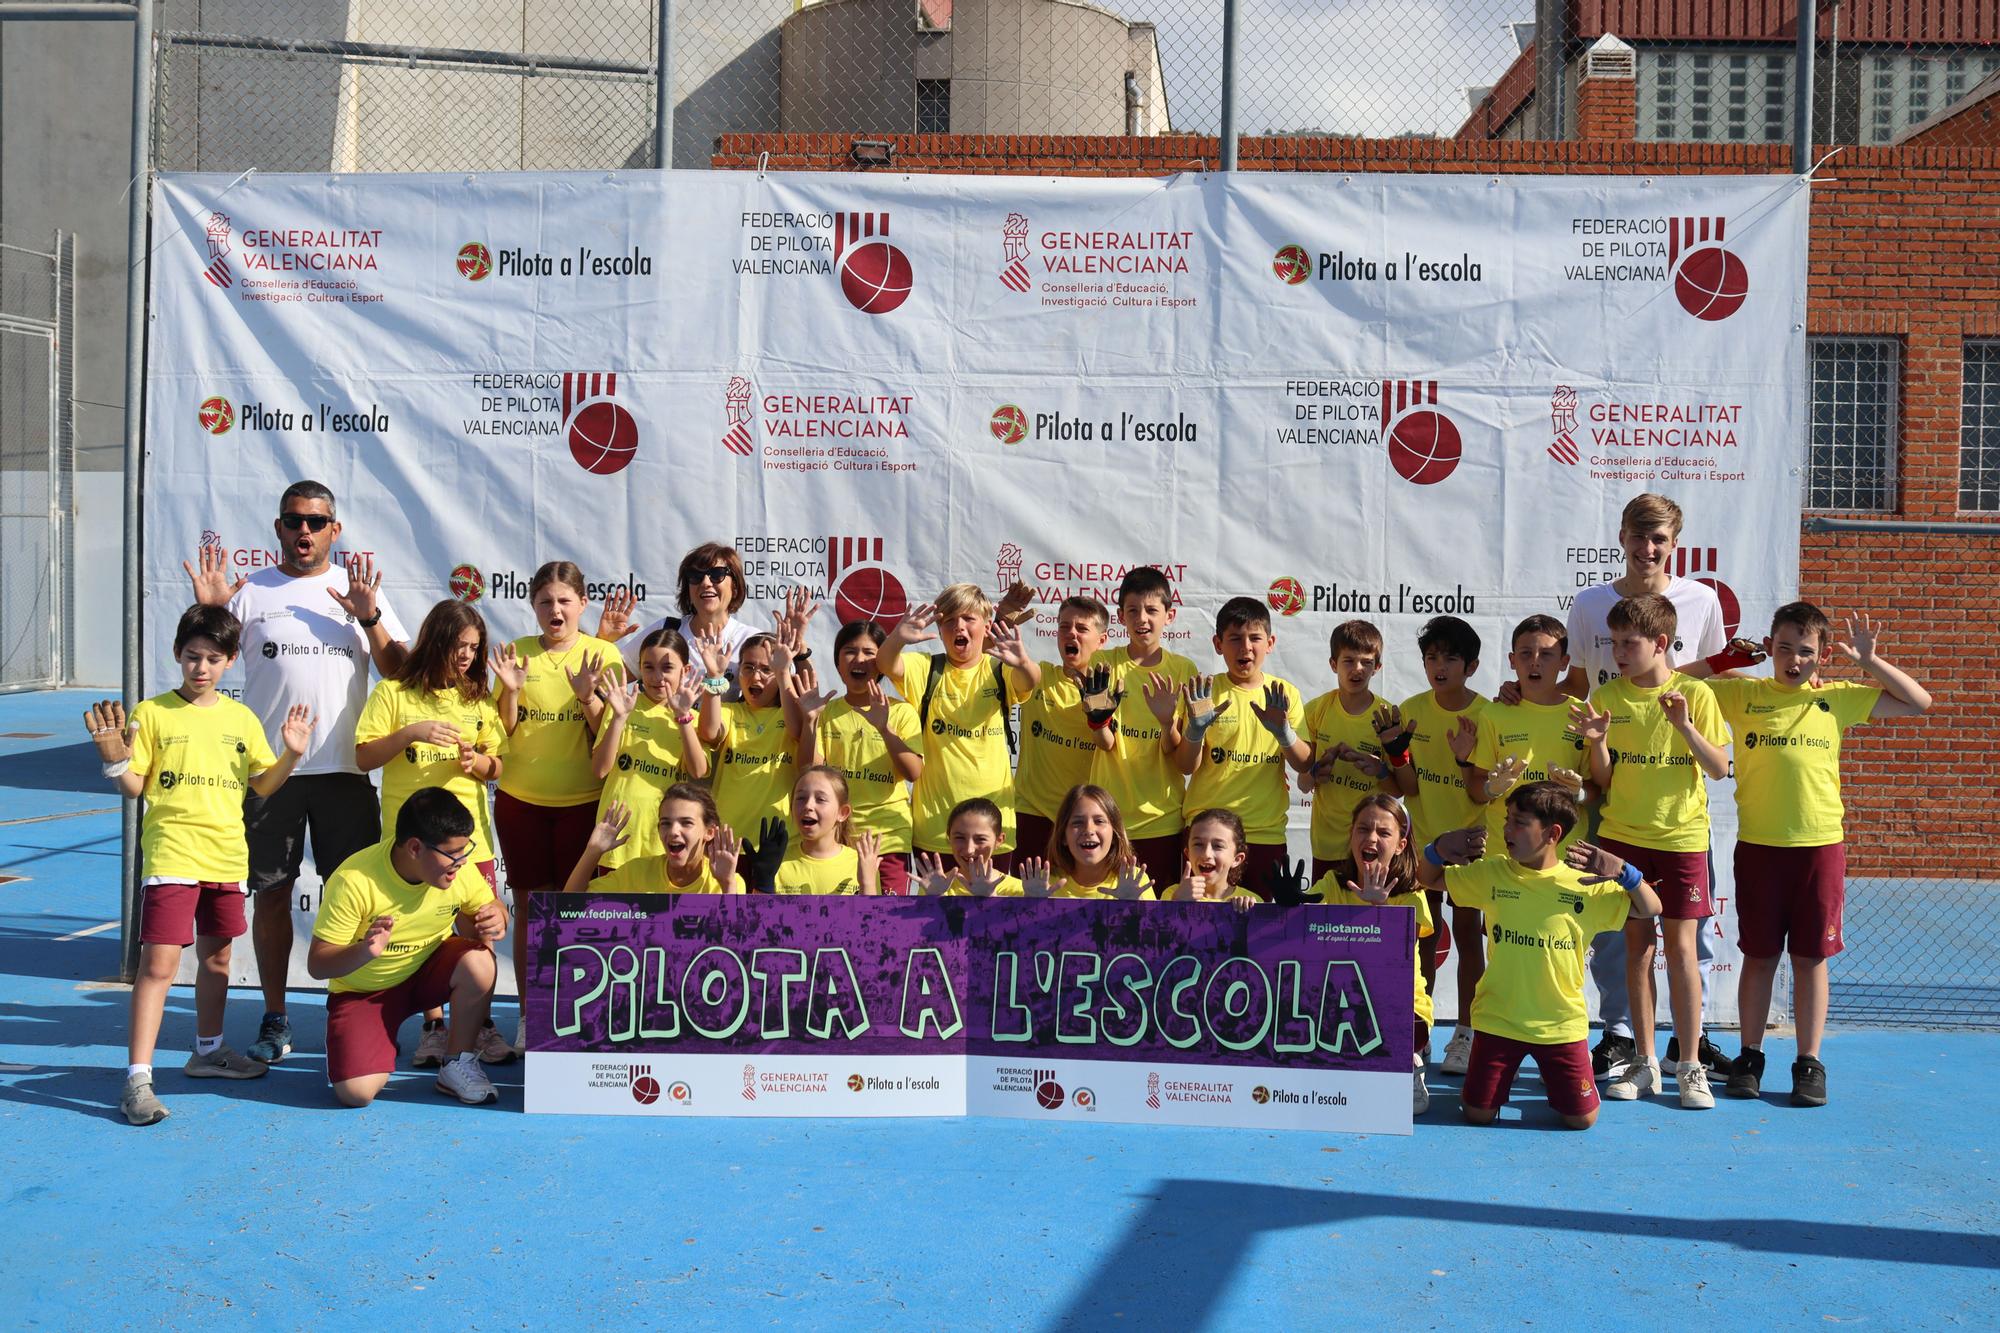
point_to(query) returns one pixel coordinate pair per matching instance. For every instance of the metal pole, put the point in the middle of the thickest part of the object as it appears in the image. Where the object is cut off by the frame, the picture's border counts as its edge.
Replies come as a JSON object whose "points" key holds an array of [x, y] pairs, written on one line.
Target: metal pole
{"points": [[1802, 86], [140, 195], [1229, 16], [1551, 39], [663, 90]]}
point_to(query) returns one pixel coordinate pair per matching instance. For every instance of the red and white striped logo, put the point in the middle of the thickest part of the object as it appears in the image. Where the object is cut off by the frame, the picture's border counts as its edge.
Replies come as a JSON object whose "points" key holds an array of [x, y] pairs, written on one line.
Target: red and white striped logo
{"points": [[1699, 563], [749, 1083], [1014, 253], [216, 228], [218, 273], [736, 416], [1688, 233], [1562, 421]]}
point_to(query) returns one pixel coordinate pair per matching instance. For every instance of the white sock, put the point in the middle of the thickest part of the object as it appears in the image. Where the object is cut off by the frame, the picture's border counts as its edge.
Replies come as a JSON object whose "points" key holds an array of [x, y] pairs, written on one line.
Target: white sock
{"points": [[465, 1057], [207, 1045], [138, 1071]]}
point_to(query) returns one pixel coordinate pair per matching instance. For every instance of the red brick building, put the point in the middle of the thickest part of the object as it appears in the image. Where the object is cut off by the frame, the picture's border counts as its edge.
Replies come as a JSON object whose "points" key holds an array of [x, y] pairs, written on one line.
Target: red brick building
{"points": [[1904, 288]]}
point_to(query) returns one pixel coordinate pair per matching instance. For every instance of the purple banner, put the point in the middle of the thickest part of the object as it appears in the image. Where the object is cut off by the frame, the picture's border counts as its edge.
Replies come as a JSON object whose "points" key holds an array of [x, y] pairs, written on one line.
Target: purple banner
{"points": [[1029, 980]]}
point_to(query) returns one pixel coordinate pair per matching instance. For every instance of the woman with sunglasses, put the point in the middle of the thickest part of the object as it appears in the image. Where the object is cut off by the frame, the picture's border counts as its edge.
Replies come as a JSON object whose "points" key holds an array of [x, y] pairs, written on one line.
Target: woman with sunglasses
{"points": [[711, 592], [311, 626]]}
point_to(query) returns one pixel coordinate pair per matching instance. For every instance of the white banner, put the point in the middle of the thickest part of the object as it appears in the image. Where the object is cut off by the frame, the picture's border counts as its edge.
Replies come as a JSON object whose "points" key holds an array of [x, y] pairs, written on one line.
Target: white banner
{"points": [[1375, 396]]}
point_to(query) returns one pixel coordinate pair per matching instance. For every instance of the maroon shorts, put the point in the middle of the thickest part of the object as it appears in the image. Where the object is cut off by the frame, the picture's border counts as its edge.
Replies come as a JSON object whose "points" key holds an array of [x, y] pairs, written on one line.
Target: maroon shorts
{"points": [[894, 873], [176, 913], [361, 1025], [1164, 857], [1789, 899], [541, 843], [1032, 834], [1321, 867], [1564, 1066], [1680, 878]]}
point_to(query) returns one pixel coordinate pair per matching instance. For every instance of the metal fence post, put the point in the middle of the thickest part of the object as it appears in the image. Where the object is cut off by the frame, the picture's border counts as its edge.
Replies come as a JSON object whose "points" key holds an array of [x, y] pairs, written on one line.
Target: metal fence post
{"points": [[1229, 17], [136, 269], [663, 90], [1802, 86]]}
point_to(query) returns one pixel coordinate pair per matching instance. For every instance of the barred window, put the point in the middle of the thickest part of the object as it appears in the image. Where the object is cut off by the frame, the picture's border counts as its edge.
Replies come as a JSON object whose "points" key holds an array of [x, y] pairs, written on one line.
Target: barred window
{"points": [[1856, 383], [933, 106], [1716, 94], [1979, 436]]}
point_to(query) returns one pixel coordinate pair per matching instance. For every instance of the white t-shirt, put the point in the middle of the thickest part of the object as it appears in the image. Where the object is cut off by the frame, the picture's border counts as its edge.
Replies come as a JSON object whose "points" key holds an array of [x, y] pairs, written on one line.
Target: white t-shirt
{"points": [[734, 634], [1697, 634], [300, 647]]}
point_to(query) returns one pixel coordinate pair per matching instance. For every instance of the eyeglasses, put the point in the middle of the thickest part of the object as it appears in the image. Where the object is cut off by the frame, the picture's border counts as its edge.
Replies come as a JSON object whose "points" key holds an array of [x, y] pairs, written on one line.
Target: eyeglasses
{"points": [[713, 574], [454, 861], [293, 522]]}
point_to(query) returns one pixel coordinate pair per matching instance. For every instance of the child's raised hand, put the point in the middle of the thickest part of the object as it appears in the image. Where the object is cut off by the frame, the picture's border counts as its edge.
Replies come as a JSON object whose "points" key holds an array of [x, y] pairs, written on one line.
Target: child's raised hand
{"points": [[1100, 701], [875, 711], [1374, 887], [931, 872], [1131, 880], [376, 938], [1275, 710], [1285, 882], [1003, 642], [1749, 648], [1374, 765], [1390, 729], [714, 657], [1598, 866], [684, 698], [1675, 705], [615, 621], [1163, 697], [105, 720], [1202, 710], [1566, 777], [610, 830], [1462, 846], [803, 686], [916, 625], [509, 667], [297, 733], [621, 698], [1463, 738], [1859, 644], [1588, 721], [1017, 599], [723, 851], [1510, 770], [1035, 877], [1193, 886], [868, 859], [583, 682], [799, 610], [977, 872]]}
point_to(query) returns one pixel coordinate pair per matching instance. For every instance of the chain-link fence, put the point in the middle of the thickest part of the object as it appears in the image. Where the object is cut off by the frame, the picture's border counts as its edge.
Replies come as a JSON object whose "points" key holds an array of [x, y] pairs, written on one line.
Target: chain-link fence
{"points": [[1916, 953], [37, 459]]}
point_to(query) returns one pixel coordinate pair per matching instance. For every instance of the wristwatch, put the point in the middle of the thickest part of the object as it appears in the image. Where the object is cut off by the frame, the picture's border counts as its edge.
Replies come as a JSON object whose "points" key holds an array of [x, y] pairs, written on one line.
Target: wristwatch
{"points": [[372, 621]]}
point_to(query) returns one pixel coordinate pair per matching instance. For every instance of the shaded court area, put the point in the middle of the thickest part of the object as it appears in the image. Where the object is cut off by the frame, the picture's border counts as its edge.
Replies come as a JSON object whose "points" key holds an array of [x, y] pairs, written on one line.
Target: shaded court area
{"points": [[259, 1202]]}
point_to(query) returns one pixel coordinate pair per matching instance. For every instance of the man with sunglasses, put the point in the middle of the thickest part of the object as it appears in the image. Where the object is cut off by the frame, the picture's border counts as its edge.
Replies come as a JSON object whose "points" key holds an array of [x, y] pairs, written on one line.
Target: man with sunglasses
{"points": [[408, 925], [311, 626]]}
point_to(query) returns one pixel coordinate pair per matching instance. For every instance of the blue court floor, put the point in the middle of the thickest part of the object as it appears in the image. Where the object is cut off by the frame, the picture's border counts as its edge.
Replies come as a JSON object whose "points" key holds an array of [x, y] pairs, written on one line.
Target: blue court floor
{"points": [[260, 1204]]}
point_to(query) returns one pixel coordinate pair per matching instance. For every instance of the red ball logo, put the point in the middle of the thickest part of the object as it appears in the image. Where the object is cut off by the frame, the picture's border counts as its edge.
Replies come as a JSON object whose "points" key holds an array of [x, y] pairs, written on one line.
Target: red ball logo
{"points": [[854, 1083], [1424, 447], [1008, 423], [1286, 596], [1292, 265], [645, 1090], [875, 277], [1711, 283], [475, 261], [1260, 1094], [467, 583], [1732, 610], [1049, 1094], [603, 437], [872, 593], [217, 416]]}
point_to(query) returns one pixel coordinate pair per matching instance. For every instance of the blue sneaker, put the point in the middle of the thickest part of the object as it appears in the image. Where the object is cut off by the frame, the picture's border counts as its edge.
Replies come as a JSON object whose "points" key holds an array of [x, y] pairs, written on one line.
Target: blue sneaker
{"points": [[274, 1040]]}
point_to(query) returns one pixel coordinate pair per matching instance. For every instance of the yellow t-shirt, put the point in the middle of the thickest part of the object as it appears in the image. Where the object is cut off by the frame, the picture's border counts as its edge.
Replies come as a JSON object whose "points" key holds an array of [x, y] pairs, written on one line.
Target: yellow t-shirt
{"points": [[1328, 723], [1240, 767], [1787, 754], [648, 874], [1658, 798], [1538, 925], [394, 705], [1328, 891], [197, 763], [1056, 744], [878, 798], [652, 756], [1541, 735], [755, 766], [965, 754], [549, 759], [1440, 804], [1139, 775], [1103, 892], [1009, 887], [800, 873], [367, 886]]}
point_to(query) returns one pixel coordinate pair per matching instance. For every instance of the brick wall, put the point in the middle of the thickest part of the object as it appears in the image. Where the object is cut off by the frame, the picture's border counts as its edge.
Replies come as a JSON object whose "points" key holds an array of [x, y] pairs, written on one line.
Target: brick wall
{"points": [[1904, 244]]}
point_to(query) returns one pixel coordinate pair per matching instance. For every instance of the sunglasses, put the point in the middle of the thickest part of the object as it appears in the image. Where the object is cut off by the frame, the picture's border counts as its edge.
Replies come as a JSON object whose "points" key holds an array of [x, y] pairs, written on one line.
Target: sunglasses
{"points": [[713, 574], [293, 522], [454, 861]]}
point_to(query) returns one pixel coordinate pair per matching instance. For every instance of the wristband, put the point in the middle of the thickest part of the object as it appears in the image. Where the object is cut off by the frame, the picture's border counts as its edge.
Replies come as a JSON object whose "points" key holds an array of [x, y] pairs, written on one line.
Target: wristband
{"points": [[1467, 763], [1099, 724], [372, 621], [1728, 660], [1629, 878], [117, 768], [716, 684], [1286, 736], [683, 719], [1399, 758], [1400, 747], [1431, 854]]}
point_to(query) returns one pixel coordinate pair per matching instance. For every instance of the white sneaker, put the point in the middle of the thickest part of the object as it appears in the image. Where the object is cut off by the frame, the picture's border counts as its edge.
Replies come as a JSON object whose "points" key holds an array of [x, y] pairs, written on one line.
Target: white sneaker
{"points": [[1693, 1079], [432, 1047], [1420, 1096], [1639, 1080], [521, 1035], [465, 1080], [1458, 1051]]}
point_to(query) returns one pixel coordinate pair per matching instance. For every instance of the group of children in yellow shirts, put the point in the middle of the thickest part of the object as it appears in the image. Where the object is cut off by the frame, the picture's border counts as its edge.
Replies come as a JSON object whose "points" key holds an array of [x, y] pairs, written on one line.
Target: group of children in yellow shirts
{"points": [[1138, 777]]}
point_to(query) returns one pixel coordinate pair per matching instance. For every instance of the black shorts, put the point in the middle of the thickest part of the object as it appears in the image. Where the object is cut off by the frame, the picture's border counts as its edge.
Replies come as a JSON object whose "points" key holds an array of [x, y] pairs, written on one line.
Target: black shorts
{"points": [[339, 809]]}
